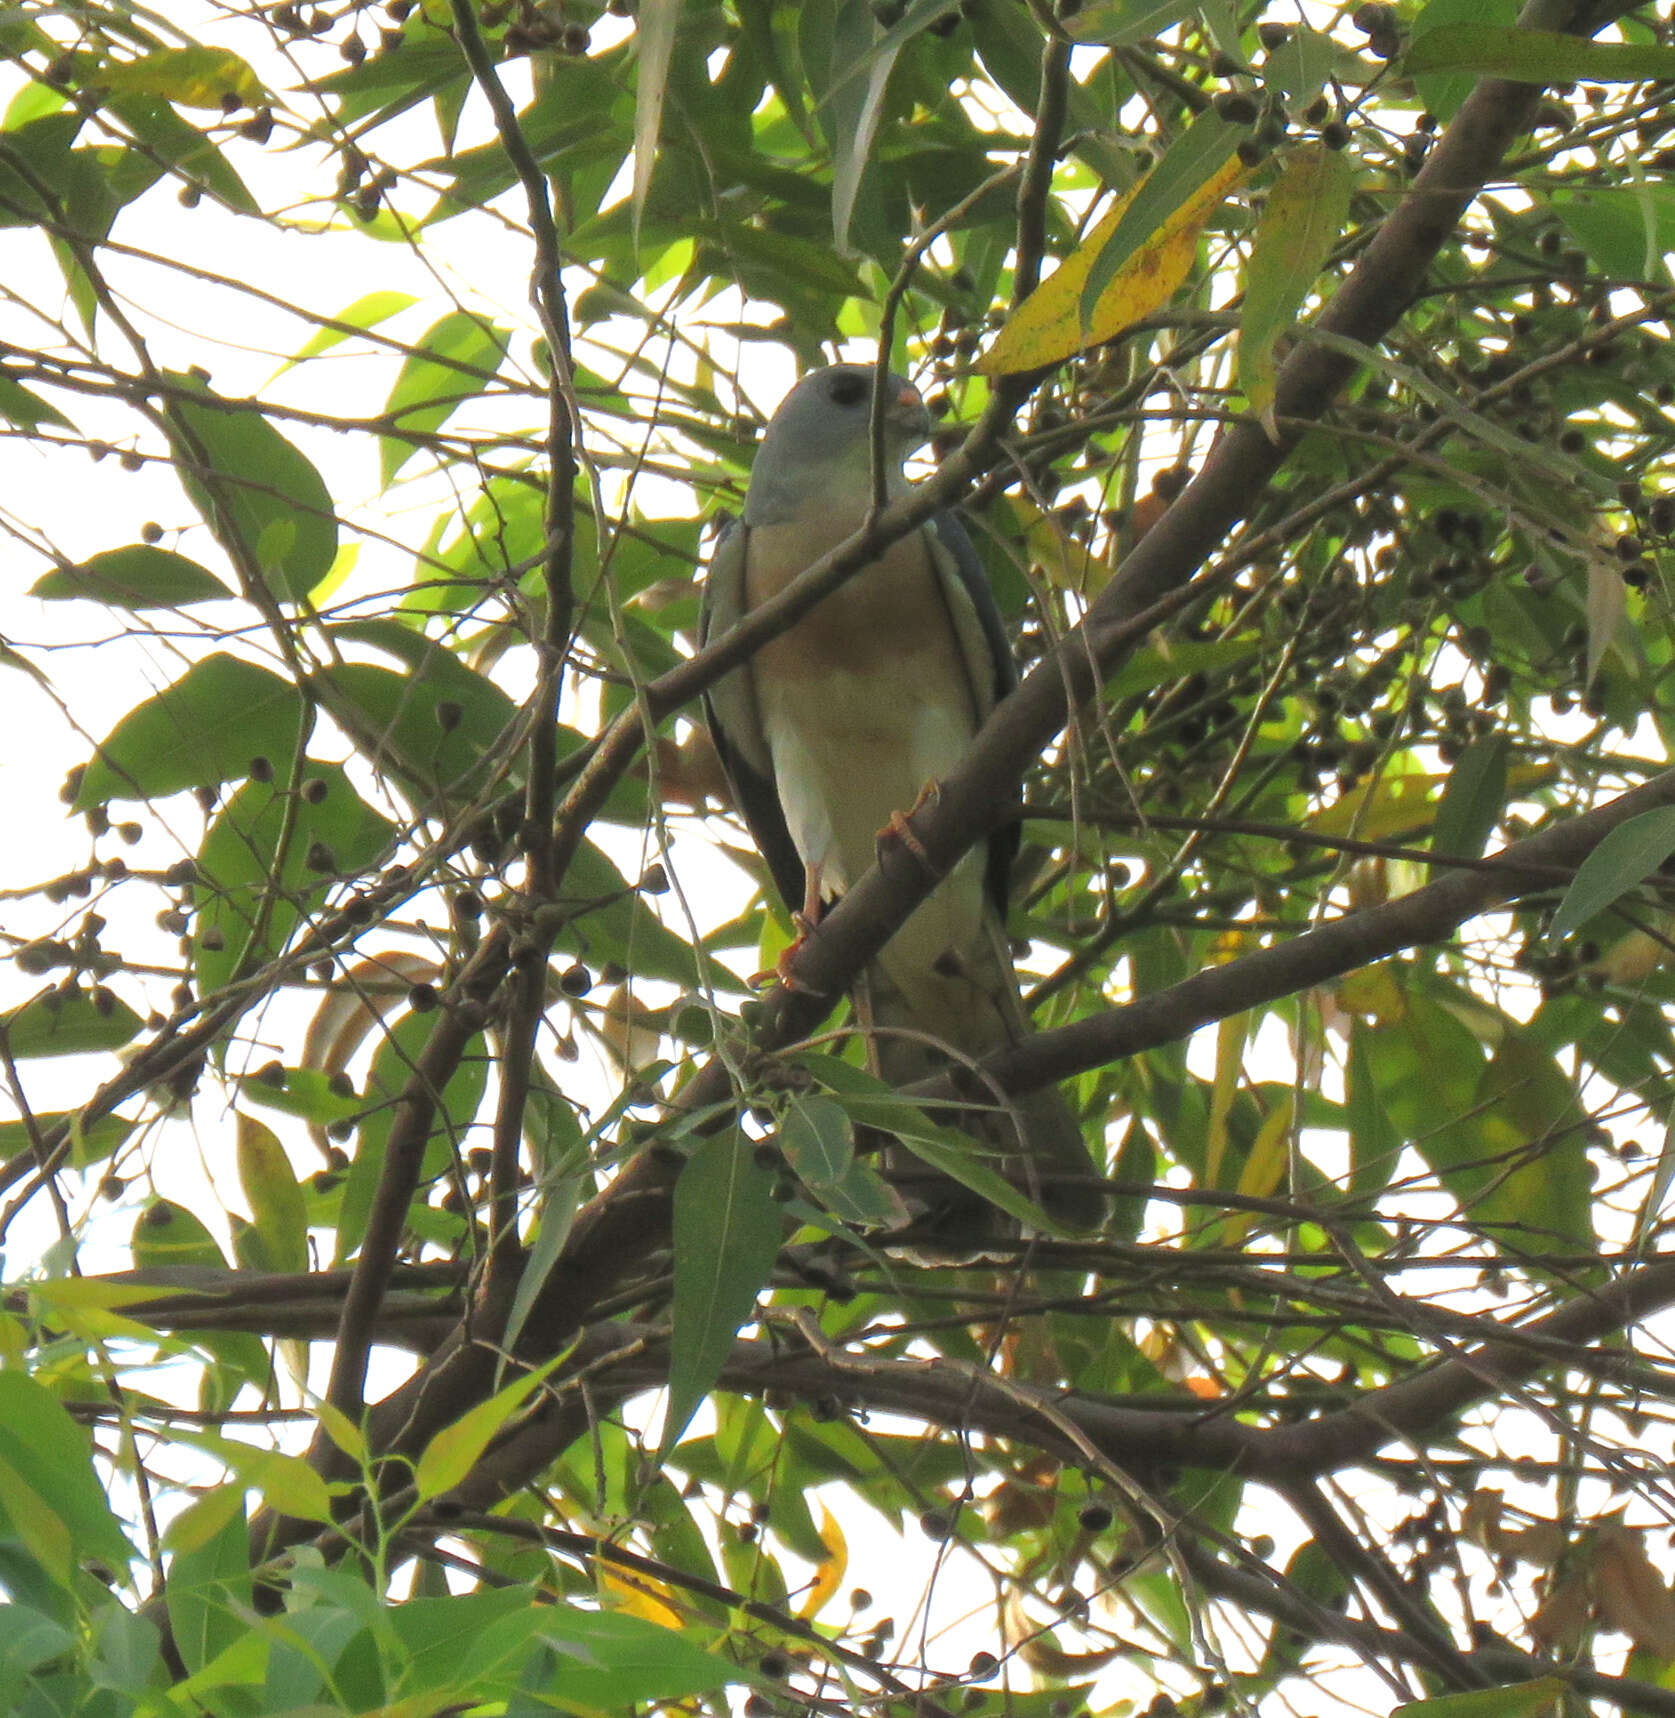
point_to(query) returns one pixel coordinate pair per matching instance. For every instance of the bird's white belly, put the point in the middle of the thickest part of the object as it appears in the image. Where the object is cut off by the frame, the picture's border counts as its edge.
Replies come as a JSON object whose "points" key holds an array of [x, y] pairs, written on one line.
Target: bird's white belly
{"points": [[851, 748]]}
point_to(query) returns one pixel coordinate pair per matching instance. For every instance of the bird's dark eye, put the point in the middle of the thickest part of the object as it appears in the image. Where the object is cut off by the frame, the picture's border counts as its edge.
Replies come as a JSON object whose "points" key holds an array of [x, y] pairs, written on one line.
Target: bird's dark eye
{"points": [[848, 389]]}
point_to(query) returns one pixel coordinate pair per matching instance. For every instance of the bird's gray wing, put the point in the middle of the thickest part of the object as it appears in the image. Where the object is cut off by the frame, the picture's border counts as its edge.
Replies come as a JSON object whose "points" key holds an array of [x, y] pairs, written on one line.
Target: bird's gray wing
{"points": [[735, 723], [990, 665]]}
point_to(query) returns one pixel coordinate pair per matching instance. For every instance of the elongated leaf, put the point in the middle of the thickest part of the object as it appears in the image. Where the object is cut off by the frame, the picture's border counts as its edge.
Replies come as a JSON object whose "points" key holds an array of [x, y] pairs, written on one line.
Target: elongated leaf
{"points": [[456, 359], [69, 1025], [250, 895], [1122, 22], [51, 1494], [862, 59], [1621, 862], [727, 1233], [276, 1202], [1651, 1205], [1200, 157], [137, 577], [261, 498], [456, 1449], [366, 312], [92, 1143], [202, 730], [1473, 800], [19, 406], [1064, 314], [1535, 56], [1300, 223], [1512, 1700], [440, 729], [195, 76], [654, 36]]}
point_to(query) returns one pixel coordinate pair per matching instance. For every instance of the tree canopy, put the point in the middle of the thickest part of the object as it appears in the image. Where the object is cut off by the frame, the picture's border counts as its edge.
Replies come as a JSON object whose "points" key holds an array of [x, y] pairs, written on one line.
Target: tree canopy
{"points": [[442, 1275]]}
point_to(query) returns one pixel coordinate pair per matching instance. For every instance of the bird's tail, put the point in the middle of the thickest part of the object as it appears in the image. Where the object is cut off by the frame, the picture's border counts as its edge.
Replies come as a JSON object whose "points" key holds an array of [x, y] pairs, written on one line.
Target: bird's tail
{"points": [[968, 1007]]}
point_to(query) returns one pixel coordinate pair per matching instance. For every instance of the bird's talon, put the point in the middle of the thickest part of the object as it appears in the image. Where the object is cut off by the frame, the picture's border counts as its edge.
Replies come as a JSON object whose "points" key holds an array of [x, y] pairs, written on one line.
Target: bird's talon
{"points": [[898, 828]]}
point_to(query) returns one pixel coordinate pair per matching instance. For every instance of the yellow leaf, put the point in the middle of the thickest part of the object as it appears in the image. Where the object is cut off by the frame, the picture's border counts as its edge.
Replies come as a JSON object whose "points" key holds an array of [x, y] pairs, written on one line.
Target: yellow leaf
{"points": [[1049, 325], [1230, 1055], [1372, 993], [641, 1596], [829, 1576], [1264, 1167]]}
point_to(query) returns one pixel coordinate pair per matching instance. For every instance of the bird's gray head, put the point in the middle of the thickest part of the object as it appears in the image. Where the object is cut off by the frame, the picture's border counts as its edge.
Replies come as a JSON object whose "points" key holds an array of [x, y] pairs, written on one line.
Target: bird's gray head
{"points": [[817, 443]]}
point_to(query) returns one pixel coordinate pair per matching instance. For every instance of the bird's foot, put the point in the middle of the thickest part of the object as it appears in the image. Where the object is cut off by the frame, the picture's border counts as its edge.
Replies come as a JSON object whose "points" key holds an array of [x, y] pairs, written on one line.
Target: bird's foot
{"points": [[780, 972], [898, 828]]}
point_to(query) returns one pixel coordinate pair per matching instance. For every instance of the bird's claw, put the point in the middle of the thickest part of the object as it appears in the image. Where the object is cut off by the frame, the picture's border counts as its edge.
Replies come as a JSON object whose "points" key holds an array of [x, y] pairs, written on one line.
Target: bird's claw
{"points": [[899, 827], [780, 972]]}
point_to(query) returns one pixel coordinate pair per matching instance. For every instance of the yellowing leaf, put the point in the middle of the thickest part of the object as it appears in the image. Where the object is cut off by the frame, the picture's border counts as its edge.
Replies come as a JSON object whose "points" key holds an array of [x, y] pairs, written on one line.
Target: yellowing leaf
{"points": [[276, 1202], [1300, 223], [833, 1567], [1264, 1167], [195, 76], [1372, 993], [1050, 326], [641, 1596], [203, 1518]]}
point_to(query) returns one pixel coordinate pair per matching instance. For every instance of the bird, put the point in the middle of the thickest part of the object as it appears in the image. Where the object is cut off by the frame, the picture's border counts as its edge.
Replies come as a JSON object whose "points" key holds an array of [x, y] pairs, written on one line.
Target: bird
{"points": [[835, 730]]}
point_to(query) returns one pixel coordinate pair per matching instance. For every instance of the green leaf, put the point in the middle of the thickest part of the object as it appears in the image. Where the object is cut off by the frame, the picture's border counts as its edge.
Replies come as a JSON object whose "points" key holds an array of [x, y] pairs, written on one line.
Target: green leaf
{"points": [[47, 1487], [1624, 859], [1534, 56], [1626, 232], [607, 1660], [276, 1202], [456, 360], [166, 1235], [861, 63], [366, 312], [306, 1093], [1299, 67], [1531, 1699], [1301, 220], [41, 174], [249, 895], [60, 1024], [177, 145], [209, 1593], [202, 730], [195, 76], [1473, 800], [1120, 23], [456, 1109], [817, 1139], [137, 577], [89, 1144], [727, 1234], [263, 501], [27, 410], [654, 40], [455, 1450], [441, 729], [1443, 90]]}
